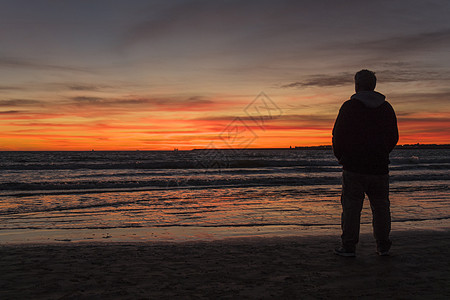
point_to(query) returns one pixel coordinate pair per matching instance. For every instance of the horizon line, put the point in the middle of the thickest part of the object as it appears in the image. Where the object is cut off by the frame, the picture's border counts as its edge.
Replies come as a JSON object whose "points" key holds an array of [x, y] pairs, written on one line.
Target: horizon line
{"points": [[319, 147]]}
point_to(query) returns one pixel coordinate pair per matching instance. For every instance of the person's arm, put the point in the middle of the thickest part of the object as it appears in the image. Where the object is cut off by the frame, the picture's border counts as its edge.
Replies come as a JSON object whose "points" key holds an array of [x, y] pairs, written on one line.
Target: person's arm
{"points": [[338, 135], [392, 137]]}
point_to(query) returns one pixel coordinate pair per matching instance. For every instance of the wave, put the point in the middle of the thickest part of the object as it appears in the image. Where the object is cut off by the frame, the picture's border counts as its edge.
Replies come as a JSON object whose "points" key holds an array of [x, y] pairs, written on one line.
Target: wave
{"points": [[27, 173], [194, 160], [68, 187], [72, 188], [163, 165]]}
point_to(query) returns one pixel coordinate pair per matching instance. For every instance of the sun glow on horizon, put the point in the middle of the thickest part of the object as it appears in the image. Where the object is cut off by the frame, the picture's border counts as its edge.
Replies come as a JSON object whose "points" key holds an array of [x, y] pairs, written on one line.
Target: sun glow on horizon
{"points": [[165, 123]]}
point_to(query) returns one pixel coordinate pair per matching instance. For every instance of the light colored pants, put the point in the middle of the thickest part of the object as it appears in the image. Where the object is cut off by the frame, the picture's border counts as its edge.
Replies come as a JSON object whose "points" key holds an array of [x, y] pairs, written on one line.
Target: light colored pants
{"points": [[354, 186]]}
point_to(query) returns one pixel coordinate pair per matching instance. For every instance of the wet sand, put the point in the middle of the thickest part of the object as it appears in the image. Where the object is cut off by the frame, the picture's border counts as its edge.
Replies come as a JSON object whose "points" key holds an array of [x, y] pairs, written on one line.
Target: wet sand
{"points": [[287, 267]]}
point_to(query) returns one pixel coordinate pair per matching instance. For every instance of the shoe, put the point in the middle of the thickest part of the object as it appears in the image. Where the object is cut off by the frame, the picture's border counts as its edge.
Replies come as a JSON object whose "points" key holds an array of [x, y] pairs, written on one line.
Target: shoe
{"points": [[383, 253], [341, 251]]}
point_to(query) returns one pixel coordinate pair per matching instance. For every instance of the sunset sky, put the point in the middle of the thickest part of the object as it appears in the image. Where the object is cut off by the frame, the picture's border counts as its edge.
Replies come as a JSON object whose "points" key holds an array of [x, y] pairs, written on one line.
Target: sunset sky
{"points": [[159, 75]]}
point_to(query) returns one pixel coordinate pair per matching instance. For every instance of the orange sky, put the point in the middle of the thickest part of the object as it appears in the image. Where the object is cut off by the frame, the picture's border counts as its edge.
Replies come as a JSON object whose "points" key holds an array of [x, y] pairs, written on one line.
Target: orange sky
{"points": [[130, 124], [159, 75]]}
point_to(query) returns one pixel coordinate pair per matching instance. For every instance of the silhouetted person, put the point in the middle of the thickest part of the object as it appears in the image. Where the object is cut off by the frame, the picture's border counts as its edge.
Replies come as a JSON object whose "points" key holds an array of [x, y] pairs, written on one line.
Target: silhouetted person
{"points": [[364, 134]]}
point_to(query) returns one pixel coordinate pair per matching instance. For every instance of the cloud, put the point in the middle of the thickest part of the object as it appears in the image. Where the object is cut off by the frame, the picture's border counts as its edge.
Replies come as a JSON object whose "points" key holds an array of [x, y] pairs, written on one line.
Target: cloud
{"points": [[158, 103], [86, 106], [408, 43], [10, 112], [19, 102], [195, 102], [10, 62], [201, 15], [281, 123], [232, 25], [401, 74], [86, 87], [258, 28], [26, 134], [53, 126], [437, 97], [10, 88], [24, 115], [429, 120], [89, 100], [392, 50], [323, 80], [411, 75], [290, 117]]}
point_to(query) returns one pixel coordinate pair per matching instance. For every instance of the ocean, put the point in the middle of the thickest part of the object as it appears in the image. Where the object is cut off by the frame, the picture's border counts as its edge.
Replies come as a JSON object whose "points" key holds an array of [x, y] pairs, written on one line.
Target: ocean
{"points": [[171, 194]]}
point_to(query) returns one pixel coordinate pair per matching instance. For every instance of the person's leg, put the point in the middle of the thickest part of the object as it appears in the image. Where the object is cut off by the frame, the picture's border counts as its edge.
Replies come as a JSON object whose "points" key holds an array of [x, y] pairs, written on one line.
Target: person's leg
{"points": [[378, 193], [352, 201]]}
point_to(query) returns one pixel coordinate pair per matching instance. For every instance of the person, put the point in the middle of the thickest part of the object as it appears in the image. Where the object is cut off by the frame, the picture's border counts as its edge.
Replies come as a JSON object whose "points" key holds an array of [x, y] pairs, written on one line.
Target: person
{"points": [[364, 134]]}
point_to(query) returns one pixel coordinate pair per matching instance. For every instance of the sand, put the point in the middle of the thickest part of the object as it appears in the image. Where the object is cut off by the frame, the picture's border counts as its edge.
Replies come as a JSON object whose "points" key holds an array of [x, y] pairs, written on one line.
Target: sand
{"points": [[257, 268]]}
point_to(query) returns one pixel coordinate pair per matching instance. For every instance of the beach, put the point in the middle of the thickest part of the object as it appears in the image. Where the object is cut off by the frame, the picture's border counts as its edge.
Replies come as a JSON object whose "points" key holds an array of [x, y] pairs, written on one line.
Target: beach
{"points": [[247, 224], [293, 267]]}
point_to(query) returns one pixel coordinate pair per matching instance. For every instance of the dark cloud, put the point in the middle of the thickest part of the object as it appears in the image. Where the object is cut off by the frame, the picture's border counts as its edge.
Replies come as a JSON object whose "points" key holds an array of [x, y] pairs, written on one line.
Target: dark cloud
{"points": [[85, 99], [429, 120], [290, 117], [322, 80], [395, 51], [408, 43], [289, 25], [431, 101], [181, 17], [310, 117], [402, 74], [195, 100], [190, 103], [10, 112], [19, 102], [233, 24], [84, 87], [438, 94], [410, 74], [9, 62], [10, 88]]}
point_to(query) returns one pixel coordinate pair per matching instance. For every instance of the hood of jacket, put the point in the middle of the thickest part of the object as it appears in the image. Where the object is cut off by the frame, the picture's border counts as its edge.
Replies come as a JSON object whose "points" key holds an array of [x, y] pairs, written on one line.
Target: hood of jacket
{"points": [[370, 99]]}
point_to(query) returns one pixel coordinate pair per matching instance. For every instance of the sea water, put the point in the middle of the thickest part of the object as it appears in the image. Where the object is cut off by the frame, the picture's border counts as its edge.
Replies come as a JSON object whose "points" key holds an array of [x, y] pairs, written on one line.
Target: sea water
{"points": [[181, 190]]}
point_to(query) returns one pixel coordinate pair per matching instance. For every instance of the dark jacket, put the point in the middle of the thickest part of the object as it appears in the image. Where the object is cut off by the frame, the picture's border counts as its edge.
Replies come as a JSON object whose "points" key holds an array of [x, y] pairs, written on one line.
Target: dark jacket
{"points": [[364, 134]]}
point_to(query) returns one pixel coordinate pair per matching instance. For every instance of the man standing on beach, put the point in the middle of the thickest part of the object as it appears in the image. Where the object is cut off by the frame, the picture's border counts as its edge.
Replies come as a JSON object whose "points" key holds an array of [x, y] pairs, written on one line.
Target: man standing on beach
{"points": [[364, 134]]}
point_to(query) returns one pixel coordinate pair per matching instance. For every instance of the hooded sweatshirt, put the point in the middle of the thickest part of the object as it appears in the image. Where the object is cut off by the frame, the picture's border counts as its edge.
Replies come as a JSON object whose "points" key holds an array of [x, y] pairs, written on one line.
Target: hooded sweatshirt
{"points": [[365, 132]]}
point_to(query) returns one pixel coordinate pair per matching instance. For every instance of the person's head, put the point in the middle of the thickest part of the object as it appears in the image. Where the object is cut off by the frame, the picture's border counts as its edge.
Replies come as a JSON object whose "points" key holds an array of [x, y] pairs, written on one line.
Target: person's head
{"points": [[365, 80]]}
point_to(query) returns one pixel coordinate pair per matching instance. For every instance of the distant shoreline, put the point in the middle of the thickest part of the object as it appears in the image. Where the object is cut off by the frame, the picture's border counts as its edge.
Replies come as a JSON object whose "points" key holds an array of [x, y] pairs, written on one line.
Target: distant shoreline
{"points": [[329, 147], [321, 147], [406, 146]]}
